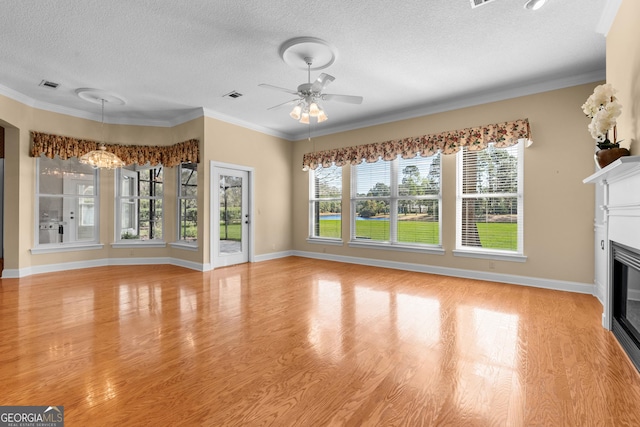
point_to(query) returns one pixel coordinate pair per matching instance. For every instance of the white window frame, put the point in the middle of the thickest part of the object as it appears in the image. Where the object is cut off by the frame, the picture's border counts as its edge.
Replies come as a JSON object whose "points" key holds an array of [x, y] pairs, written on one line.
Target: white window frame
{"points": [[132, 176], [181, 243], [393, 198], [125, 243], [478, 252], [312, 200], [41, 248]]}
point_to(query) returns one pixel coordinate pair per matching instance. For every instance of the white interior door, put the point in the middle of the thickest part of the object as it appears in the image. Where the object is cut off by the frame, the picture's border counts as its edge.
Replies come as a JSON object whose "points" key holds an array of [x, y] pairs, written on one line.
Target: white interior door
{"points": [[231, 220]]}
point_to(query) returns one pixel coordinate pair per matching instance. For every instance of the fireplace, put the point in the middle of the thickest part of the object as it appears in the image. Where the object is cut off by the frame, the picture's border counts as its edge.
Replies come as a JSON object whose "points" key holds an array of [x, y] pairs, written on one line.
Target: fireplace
{"points": [[625, 272], [617, 250]]}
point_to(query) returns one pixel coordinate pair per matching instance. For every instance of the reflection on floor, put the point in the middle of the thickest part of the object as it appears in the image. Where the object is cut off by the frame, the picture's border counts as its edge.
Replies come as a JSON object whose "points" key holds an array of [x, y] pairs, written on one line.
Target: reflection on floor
{"points": [[302, 342]]}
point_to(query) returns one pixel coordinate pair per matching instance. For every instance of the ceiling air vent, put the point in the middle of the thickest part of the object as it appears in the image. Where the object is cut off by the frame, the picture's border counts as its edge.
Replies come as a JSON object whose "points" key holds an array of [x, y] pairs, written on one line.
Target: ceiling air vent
{"points": [[48, 84], [232, 94], [476, 3]]}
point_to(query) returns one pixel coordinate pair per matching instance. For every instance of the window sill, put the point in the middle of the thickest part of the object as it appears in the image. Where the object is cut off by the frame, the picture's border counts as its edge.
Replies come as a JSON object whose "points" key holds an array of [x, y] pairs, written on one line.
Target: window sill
{"points": [[325, 241], [185, 246], [140, 244], [435, 250], [52, 248], [498, 256]]}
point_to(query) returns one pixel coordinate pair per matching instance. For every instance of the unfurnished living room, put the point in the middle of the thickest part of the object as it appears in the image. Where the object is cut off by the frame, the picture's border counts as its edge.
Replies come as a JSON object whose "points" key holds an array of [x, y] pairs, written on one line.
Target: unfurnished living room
{"points": [[283, 213]]}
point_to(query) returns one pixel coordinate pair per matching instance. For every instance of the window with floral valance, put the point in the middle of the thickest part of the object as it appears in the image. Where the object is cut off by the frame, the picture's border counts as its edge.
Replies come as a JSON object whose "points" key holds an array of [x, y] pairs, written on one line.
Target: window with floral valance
{"points": [[478, 138], [66, 147]]}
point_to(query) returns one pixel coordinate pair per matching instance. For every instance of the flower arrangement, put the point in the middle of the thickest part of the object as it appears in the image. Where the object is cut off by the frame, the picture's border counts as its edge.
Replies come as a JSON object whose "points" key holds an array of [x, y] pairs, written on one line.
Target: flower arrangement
{"points": [[603, 108]]}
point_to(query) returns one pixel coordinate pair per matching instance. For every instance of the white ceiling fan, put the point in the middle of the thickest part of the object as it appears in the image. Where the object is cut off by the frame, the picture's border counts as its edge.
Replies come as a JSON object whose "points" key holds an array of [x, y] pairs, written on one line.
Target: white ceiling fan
{"points": [[309, 95]]}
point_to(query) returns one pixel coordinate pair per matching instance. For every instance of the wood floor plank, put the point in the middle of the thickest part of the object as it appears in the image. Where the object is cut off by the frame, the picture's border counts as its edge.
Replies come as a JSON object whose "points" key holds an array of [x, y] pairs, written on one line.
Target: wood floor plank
{"points": [[300, 342]]}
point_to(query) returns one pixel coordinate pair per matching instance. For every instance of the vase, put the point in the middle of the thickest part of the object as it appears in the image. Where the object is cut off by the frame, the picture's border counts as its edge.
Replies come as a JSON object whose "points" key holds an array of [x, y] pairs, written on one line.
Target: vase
{"points": [[610, 155]]}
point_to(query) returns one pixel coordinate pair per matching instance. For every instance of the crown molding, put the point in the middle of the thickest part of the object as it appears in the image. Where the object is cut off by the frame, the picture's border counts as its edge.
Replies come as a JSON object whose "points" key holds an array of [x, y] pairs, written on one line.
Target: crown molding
{"points": [[468, 101], [441, 107], [608, 16], [232, 120]]}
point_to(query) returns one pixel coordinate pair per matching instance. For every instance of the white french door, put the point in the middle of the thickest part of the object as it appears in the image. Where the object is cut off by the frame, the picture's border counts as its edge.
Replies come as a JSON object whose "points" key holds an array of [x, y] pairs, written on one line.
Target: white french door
{"points": [[231, 219]]}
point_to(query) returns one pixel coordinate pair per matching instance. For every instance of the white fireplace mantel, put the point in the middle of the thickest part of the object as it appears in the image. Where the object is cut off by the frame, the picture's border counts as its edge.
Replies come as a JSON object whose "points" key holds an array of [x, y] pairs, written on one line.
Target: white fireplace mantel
{"points": [[618, 199], [621, 168]]}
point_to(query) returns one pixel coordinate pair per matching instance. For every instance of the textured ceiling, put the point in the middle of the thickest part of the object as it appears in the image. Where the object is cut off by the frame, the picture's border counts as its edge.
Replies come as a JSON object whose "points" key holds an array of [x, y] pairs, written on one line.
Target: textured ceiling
{"points": [[173, 60]]}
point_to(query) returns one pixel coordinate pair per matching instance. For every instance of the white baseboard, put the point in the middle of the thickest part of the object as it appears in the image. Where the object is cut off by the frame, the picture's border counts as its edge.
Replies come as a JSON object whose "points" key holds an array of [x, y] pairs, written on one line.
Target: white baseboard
{"points": [[273, 255], [558, 285], [598, 292], [76, 265]]}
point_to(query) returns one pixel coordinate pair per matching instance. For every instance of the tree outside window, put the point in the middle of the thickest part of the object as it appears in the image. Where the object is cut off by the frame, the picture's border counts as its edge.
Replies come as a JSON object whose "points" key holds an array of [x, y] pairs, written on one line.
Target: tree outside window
{"points": [[325, 202], [489, 211], [188, 202], [397, 202], [140, 203]]}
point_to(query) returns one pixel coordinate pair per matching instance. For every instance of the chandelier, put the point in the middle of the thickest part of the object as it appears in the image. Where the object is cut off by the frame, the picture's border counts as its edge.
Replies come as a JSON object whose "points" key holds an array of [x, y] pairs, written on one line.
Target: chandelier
{"points": [[100, 158]]}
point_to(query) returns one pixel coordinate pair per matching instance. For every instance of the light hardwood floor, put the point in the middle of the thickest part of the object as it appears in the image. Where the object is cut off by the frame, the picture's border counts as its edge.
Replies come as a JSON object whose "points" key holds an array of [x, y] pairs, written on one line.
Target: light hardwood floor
{"points": [[301, 342]]}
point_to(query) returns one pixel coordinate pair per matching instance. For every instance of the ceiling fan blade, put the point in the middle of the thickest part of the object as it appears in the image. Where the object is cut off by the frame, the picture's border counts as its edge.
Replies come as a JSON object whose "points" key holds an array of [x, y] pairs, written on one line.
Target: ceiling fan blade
{"points": [[349, 99], [281, 89], [322, 82], [291, 102]]}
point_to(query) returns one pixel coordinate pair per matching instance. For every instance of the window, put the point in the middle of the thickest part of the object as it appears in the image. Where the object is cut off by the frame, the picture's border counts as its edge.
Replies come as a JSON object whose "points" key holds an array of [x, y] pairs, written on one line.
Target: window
{"points": [[139, 199], [188, 203], [489, 200], [325, 202], [397, 203], [67, 200]]}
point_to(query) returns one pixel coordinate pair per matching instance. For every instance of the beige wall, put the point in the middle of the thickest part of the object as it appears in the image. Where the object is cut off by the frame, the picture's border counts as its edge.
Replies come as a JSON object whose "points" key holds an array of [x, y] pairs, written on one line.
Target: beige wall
{"points": [[19, 216], [270, 157], [623, 71], [559, 209]]}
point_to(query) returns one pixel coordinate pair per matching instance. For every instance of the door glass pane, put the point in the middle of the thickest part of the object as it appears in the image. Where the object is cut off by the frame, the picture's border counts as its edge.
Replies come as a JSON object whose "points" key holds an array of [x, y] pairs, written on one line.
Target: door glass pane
{"points": [[230, 214]]}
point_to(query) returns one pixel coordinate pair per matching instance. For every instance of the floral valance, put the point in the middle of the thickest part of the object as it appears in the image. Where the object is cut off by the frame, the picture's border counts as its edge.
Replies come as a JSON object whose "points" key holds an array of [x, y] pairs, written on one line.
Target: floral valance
{"points": [[502, 134], [66, 147]]}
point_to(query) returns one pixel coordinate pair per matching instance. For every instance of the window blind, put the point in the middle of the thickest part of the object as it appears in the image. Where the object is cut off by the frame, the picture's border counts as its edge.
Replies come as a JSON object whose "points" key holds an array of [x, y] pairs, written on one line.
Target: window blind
{"points": [[489, 208], [325, 202], [397, 202]]}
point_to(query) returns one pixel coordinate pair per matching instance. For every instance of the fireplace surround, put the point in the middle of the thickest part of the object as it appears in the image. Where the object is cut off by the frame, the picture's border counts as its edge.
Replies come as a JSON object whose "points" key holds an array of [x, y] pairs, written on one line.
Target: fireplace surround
{"points": [[617, 250]]}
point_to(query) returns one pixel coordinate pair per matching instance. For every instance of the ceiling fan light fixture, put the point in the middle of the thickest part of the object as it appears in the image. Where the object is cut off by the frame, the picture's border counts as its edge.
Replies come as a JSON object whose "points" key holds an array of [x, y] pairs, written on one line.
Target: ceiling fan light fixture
{"points": [[296, 112], [314, 110], [305, 118], [322, 116], [534, 4]]}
